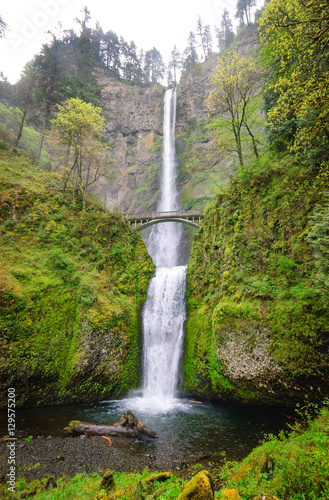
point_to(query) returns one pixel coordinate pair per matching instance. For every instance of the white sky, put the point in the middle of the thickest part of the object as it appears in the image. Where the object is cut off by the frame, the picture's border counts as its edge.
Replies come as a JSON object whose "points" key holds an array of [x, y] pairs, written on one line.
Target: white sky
{"points": [[147, 22]]}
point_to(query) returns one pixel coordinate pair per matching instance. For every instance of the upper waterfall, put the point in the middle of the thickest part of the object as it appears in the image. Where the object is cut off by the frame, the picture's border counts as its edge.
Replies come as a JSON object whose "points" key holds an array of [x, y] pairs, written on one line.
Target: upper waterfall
{"points": [[164, 240]]}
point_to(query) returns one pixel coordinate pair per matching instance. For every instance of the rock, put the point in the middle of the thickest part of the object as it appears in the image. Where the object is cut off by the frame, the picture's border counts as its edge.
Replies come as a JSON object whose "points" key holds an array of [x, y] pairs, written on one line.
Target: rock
{"points": [[230, 494], [199, 488], [265, 496], [160, 477], [51, 483], [107, 482]]}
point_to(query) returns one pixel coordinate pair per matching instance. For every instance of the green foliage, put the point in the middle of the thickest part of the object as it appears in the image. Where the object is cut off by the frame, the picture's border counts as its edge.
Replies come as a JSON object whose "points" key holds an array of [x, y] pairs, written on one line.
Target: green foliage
{"points": [[161, 485], [294, 466], [10, 122], [71, 284], [252, 268], [319, 239], [234, 87], [294, 34]]}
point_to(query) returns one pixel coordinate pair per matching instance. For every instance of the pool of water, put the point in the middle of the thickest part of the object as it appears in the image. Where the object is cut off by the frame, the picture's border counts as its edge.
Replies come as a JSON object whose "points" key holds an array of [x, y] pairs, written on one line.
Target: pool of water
{"points": [[184, 428]]}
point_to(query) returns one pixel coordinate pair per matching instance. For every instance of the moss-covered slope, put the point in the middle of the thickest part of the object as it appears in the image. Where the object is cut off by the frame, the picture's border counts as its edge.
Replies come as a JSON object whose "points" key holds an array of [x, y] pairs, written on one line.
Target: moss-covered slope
{"points": [[71, 285], [258, 321]]}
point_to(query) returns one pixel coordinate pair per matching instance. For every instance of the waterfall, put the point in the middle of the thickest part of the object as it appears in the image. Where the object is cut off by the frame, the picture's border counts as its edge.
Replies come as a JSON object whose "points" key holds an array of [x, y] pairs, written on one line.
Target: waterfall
{"points": [[164, 310]]}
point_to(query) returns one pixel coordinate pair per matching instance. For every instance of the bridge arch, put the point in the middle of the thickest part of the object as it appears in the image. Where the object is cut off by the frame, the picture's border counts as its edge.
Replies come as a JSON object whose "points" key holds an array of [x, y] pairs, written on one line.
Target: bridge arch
{"points": [[140, 222], [151, 222]]}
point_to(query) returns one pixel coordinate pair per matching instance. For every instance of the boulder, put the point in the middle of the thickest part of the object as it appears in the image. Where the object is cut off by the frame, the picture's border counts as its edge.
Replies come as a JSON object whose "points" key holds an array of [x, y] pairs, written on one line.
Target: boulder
{"points": [[199, 488], [107, 482], [230, 494]]}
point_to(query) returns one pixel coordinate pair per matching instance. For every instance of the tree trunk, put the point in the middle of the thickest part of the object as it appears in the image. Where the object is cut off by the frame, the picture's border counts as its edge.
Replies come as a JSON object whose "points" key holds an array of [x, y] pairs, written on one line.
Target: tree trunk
{"points": [[21, 127], [127, 425]]}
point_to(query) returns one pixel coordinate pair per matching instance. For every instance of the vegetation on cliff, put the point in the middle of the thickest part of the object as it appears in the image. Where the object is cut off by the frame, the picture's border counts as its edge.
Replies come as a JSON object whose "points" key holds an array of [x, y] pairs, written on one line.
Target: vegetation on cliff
{"points": [[72, 283], [257, 278]]}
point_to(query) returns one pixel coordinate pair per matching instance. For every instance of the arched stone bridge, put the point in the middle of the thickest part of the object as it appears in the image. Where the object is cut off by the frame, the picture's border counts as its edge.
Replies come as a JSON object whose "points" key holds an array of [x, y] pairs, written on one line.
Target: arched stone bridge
{"points": [[142, 221]]}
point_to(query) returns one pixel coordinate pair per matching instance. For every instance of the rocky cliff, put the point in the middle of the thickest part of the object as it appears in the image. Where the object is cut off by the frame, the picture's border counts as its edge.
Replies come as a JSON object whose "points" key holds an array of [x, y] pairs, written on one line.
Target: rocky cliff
{"points": [[257, 326], [134, 129]]}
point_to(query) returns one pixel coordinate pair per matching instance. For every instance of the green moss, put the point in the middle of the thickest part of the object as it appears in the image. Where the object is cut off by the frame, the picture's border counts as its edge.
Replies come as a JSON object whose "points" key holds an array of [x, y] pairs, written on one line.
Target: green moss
{"points": [[71, 286], [251, 260], [285, 466]]}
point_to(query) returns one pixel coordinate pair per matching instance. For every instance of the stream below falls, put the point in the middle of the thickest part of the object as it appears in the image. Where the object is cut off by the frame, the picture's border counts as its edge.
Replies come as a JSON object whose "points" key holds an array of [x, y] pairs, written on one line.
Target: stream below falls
{"points": [[185, 430]]}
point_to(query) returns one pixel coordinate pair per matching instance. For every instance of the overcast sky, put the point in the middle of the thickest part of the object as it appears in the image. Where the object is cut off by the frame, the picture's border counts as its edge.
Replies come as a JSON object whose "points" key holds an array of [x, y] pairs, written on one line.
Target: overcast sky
{"points": [[147, 22]]}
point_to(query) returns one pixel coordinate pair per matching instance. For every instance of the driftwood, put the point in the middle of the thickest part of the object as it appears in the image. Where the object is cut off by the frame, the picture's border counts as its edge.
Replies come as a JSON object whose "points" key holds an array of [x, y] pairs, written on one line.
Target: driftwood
{"points": [[127, 425]]}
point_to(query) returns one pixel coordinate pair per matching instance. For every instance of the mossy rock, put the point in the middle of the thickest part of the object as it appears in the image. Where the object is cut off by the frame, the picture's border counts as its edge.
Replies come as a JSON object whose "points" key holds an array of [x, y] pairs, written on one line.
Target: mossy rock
{"points": [[107, 482], [199, 488], [160, 477], [230, 494]]}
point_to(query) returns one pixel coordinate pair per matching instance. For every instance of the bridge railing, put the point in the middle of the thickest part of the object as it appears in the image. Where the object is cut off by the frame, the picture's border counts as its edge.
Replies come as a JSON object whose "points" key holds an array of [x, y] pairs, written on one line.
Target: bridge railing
{"points": [[176, 213]]}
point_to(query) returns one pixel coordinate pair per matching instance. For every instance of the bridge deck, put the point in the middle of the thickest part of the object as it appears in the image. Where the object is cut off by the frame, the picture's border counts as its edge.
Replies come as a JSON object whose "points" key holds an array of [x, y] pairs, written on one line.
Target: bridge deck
{"points": [[140, 221]]}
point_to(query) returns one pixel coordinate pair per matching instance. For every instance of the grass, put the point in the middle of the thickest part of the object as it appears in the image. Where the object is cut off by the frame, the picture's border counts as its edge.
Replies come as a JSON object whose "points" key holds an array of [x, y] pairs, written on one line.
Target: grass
{"points": [[85, 487]]}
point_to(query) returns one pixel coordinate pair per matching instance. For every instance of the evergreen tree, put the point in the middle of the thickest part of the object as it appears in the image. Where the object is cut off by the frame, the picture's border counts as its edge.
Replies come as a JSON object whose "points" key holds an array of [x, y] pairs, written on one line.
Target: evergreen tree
{"points": [[243, 11], [225, 34], [207, 40], [204, 33], [199, 31], [111, 50], [153, 66], [190, 56], [175, 64], [3, 27]]}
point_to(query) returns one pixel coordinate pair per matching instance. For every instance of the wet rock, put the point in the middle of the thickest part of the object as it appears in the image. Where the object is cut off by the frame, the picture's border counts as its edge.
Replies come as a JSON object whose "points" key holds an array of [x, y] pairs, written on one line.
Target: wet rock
{"points": [[199, 488], [230, 494]]}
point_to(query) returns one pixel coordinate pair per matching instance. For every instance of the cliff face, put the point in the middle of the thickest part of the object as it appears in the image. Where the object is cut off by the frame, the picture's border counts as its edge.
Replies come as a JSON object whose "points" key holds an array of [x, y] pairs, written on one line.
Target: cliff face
{"points": [[72, 281], [202, 170], [134, 128], [257, 326]]}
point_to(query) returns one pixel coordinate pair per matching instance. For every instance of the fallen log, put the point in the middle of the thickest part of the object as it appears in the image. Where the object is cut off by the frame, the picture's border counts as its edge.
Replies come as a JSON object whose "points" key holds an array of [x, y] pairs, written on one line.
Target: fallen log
{"points": [[127, 425]]}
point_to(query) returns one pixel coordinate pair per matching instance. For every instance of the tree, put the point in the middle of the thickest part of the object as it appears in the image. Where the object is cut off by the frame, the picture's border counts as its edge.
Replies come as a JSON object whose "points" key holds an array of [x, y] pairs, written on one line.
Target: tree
{"points": [[234, 86], [204, 33], [243, 11], [78, 127], [24, 96], [3, 27], [295, 38], [49, 90], [175, 63], [153, 66], [190, 56], [225, 34], [110, 50]]}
